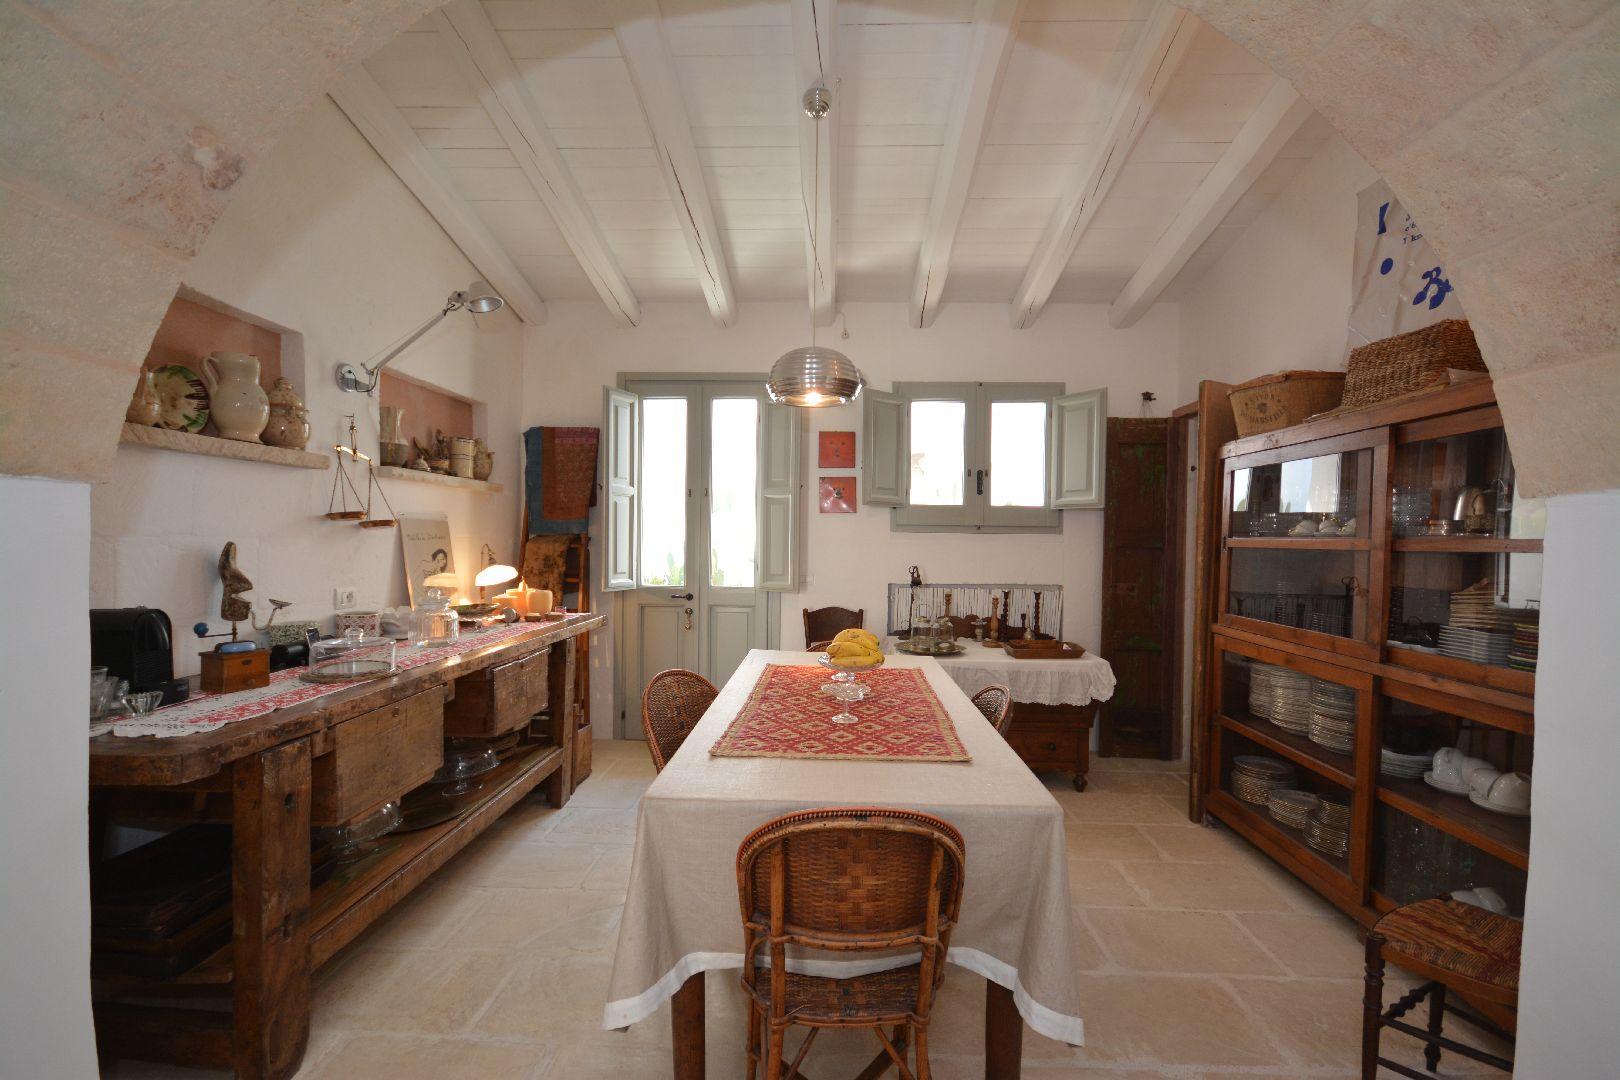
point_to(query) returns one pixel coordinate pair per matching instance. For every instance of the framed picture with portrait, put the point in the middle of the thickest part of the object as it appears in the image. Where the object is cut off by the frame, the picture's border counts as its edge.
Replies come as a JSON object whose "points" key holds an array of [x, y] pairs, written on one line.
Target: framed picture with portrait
{"points": [[425, 543]]}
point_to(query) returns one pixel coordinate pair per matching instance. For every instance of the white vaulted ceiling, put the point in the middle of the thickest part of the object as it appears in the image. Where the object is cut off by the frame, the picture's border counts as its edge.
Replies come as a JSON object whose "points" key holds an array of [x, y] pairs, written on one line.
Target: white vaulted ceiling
{"points": [[989, 150]]}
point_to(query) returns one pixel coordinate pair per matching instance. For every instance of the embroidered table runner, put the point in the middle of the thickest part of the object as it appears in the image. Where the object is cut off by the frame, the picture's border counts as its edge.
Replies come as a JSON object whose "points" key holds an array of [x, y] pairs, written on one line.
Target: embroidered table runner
{"points": [[208, 712], [787, 716]]}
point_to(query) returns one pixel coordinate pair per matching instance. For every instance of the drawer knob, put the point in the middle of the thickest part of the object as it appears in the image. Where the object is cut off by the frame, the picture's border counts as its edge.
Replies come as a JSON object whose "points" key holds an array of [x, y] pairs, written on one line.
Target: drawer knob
{"points": [[1052, 746]]}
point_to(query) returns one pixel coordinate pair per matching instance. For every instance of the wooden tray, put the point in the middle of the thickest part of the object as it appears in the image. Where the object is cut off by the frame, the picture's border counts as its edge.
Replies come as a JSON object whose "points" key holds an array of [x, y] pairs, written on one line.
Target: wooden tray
{"points": [[1043, 650]]}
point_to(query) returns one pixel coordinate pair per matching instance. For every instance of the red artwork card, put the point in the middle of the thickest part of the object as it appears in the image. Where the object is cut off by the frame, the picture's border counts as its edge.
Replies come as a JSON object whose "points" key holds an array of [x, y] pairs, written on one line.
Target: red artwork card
{"points": [[837, 494], [837, 450]]}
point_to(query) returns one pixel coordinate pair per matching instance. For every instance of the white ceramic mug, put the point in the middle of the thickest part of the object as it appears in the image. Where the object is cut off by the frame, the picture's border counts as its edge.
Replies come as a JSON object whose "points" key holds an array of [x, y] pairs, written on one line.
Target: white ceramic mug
{"points": [[1452, 768], [1509, 791], [1481, 779]]}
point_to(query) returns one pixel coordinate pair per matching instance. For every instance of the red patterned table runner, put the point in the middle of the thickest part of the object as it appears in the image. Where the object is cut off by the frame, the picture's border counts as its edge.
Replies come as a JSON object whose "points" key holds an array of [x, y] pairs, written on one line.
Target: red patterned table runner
{"points": [[787, 716], [208, 712]]}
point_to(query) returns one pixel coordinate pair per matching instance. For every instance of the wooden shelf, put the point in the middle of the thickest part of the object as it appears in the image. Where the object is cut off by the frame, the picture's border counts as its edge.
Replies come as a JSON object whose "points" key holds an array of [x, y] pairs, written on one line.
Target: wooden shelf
{"points": [[1465, 545], [185, 442], [1468, 672], [1296, 748], [1330, 877], [390, 472], [1507, 838], [1301, 543]]}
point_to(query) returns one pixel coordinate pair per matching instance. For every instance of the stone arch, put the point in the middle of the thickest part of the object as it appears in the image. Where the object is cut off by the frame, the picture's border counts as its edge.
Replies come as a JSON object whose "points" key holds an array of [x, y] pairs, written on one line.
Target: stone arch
{"points": [[129, 126]]}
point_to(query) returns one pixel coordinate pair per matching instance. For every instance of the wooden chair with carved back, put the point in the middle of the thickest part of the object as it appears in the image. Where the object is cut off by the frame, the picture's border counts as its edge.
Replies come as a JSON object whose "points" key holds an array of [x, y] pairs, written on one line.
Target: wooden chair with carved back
{"points": [[847, 881], [823, 624]]}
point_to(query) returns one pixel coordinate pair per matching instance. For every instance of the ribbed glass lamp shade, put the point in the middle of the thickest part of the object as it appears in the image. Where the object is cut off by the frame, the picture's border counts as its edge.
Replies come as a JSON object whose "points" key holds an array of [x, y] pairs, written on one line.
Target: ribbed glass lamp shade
{"points": [[814, 377]]}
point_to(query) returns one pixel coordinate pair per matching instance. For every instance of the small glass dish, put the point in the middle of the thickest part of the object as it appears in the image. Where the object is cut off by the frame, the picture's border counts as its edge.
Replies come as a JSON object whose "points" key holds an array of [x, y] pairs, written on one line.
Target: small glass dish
{"points": [[358, 838], [142, 702], [350, 658], [464, 762]]}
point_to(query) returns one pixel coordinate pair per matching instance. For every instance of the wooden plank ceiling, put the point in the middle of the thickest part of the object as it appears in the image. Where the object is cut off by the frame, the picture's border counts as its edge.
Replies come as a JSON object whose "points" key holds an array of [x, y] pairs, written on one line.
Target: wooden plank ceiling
{"points": [[1016, 151]]}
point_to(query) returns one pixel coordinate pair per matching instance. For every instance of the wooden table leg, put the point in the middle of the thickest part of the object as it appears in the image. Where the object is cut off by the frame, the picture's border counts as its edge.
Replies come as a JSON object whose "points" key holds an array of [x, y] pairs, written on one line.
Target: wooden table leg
{"points": [[560, 674], [270, 910], [1003, 1034], [686, 1025]]}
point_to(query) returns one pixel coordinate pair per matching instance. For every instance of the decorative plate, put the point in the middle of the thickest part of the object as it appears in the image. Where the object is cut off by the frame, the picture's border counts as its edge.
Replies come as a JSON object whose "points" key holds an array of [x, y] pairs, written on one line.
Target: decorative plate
{"points": [[184, 397]]}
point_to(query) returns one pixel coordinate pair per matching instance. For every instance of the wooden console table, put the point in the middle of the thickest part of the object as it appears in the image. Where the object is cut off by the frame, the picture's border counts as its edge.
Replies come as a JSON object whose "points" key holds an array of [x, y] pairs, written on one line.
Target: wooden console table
{"points": [[334, 757], [1054, 738]]}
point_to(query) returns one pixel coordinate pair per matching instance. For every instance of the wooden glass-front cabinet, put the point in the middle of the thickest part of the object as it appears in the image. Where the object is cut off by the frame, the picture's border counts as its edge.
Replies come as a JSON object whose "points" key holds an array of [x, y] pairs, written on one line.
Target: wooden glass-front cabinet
{"points": [[1375, 600]]}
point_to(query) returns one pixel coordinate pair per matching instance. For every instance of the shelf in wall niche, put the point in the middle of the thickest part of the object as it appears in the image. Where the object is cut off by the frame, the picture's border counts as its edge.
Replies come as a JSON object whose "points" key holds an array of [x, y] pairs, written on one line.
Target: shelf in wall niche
{"points": [[211, 446], [390, 472]]}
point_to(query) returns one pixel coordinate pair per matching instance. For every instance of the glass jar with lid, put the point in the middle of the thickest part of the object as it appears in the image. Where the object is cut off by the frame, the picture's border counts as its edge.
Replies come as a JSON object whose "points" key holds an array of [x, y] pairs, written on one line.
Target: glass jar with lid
{"points": [[436, 623]]}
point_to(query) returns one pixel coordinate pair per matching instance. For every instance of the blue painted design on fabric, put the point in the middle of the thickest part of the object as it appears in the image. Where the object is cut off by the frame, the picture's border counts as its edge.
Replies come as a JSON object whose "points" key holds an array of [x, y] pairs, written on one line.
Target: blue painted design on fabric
{"points": [[1432, 280], [1386, 266]]}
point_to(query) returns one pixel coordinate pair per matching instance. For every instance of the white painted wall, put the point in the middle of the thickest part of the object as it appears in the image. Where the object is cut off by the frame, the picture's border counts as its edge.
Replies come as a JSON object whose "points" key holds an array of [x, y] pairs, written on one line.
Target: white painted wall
{"points": [[850, 559], [1279, 297], [324, 240], [45, 1027], [1569, 988]]}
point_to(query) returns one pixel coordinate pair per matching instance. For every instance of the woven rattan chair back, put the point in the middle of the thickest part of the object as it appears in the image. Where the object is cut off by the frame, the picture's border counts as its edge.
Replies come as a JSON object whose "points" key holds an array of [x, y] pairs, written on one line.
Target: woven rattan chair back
{"points": [[847, 880], [673, 703], [996, 704], [823, 624]]}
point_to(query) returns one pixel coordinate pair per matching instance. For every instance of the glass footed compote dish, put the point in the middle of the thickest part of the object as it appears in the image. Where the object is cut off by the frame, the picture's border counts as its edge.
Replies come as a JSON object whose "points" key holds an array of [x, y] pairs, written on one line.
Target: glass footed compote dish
{"points": [[844, 689]]}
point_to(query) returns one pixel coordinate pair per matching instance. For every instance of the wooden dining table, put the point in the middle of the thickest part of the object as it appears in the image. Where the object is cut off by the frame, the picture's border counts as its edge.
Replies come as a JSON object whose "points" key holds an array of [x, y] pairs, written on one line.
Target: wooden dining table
{"points": [[681, 916]]}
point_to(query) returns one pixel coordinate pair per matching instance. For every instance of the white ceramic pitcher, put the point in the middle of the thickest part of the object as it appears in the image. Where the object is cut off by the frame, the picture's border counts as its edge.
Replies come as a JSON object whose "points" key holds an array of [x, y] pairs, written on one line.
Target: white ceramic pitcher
{"points": [[238, 405]]}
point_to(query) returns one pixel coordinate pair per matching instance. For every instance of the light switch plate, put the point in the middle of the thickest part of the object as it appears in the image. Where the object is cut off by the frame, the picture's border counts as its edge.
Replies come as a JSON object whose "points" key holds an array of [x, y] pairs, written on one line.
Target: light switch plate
{"points": [[345, 597]]}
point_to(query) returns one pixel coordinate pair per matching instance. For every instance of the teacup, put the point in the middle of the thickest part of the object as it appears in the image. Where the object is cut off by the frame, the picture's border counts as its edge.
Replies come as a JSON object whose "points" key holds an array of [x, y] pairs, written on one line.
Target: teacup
{"points": [[1509, 791], [1452, 768], [1481, 779]]}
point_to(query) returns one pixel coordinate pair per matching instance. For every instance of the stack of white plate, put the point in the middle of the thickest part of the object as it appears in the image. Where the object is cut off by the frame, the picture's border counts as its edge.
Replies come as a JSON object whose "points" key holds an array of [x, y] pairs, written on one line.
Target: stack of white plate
{"points": [[1480, 646], [1292, 808], [1333, 716], [1328, 829], [1281, 696], [1255, 777], [1404, 766], [1474, 608]]}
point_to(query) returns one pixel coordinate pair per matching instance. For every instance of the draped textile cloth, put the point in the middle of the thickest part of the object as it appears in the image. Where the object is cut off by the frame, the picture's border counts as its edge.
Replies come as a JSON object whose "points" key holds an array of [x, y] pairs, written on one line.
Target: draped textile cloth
{"points": [[559, 478]]}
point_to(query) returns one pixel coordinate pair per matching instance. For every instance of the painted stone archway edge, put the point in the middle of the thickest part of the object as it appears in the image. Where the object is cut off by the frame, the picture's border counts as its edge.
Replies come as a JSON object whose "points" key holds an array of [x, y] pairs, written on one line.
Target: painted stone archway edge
{"points": [[129, 126]]}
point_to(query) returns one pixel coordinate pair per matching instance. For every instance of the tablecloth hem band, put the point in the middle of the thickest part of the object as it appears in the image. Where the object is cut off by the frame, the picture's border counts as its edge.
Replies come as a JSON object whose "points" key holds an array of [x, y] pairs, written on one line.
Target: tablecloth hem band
{"points": [[1045, 1021]]}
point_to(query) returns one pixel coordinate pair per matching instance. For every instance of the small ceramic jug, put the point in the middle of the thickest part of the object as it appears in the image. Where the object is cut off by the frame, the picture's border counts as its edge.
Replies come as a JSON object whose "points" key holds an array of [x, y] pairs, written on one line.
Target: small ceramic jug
{"points": [[145, 407], [238, 405], [289, 420], [483, 460], [390, 441]]}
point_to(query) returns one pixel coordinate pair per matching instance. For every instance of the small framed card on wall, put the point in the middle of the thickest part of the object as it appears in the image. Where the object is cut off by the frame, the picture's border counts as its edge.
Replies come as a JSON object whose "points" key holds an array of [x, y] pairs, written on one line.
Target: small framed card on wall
{"points": [[837, 450], [838, 495]]}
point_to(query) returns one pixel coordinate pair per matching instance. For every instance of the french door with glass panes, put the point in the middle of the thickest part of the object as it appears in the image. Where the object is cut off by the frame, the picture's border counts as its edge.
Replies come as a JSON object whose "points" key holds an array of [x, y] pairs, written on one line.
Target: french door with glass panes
{"points": [[712, 461]]}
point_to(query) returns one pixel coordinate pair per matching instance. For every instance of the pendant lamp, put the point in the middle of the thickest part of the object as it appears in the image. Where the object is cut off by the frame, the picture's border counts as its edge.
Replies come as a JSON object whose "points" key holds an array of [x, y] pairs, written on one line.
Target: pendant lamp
{"points": [[815, 376]]}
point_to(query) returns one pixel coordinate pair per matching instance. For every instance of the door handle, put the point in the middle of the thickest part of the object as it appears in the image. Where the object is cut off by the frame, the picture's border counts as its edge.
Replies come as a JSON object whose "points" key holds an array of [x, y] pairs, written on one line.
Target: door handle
{"points": [[688, 625], [680, 596], [980, 482]]}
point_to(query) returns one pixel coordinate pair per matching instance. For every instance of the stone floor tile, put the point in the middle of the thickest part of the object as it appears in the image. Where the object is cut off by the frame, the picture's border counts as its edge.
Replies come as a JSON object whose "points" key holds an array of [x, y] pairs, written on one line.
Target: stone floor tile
{"points": [[610, 793], [1204, 886], [1169, 1020], [433, 991], [1109, 840], [1190, 942], [1138, 782], [1095, 883], [1199, 844], [571, 920], [594, 825], [495, 864], [395, 1057], [1135, 809], [1309, 945], [610, 872]]}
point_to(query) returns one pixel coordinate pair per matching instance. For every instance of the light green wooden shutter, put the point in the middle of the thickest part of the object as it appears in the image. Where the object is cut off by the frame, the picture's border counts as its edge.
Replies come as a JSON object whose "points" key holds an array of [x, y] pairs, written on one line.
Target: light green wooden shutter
{"points": [[621, 442], [885, 455], [779, 427], [1079, 431]]}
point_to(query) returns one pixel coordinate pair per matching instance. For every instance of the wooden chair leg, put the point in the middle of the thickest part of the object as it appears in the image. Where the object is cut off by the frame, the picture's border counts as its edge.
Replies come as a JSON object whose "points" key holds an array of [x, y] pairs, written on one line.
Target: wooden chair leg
{"points": [[774, 1052], [1437, 1020], [924, 1072], [1372, 1008], [752, 1041]]}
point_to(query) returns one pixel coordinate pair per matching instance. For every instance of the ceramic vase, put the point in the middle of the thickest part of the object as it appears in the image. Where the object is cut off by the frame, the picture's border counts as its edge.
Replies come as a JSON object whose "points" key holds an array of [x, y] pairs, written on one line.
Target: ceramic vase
{"points": [[145, 408], [483, 460], [393, 448], [289, 420], [461, 457], [238, 405]]}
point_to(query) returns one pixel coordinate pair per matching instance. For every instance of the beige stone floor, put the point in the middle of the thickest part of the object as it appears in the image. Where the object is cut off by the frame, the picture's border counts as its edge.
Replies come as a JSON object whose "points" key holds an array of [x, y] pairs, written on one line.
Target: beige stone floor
{"points": [[1202, 959]]}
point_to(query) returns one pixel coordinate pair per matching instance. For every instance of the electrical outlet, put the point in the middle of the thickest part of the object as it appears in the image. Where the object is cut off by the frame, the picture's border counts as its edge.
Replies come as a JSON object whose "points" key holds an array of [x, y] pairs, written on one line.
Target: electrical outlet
{"points": [[345, 597]]}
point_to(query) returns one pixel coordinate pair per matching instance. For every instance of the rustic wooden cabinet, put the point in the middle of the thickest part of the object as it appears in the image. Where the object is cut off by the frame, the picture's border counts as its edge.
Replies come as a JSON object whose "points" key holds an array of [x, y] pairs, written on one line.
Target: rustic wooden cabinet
{"points": [[1054, 738], [1379, 570]]}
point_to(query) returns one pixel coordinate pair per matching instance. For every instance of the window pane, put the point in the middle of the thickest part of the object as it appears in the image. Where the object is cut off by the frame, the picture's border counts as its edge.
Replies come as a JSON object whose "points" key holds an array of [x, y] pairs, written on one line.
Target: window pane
{"points": [[1018, 453], [733, 491], [938, 447], [663, 491]]}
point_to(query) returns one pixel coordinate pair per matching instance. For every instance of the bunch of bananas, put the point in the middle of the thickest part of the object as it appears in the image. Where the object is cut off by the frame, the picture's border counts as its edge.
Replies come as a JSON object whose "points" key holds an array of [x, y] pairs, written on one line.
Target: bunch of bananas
{"points": [[855, 649]]}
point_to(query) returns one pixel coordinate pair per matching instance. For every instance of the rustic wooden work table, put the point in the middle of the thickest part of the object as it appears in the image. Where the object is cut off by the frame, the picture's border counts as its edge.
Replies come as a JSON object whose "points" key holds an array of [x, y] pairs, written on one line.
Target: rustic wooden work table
{"points": [[273, 777]]}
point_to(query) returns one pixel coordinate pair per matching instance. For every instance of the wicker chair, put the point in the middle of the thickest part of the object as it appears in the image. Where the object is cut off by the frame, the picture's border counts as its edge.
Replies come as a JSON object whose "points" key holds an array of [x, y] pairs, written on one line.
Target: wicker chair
{"points": [[856, 881], [996, 704], [1453, 946], [823, 624], [673, 703]]}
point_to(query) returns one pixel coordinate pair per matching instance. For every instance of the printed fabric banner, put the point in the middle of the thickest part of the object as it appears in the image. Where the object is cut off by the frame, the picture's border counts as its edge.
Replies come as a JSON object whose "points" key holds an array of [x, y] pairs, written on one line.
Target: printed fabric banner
{"points": [[559, 478], [1398, 282]]}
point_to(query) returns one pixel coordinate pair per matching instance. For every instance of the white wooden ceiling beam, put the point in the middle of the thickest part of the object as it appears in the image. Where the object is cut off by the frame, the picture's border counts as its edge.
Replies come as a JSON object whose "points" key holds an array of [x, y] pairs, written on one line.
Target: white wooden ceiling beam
{"points": [[490, 73], [1147, 74], [995, 30], [815, 25], [382, 125], [646, 54], [1279, 115]]}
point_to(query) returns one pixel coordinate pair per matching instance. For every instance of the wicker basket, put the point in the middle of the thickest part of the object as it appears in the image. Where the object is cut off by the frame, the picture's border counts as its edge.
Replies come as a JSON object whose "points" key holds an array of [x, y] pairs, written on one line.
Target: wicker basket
{"points": [[1284, 399], [1410, 363]]}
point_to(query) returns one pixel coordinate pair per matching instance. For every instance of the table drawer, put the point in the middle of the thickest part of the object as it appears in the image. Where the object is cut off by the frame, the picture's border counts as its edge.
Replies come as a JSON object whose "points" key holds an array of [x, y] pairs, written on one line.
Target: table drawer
{"points": [[498, 699], [377, 756], [1047, 745]]}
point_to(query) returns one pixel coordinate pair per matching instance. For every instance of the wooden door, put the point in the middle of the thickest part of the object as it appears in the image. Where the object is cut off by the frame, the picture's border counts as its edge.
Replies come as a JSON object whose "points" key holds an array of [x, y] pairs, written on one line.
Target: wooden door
{"points": [[1138, 617]]}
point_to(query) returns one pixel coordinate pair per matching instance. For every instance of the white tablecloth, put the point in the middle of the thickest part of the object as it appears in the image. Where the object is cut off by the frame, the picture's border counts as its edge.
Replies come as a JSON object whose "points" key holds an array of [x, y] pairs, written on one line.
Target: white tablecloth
{"points": [[1039, 682], [681, 916]]}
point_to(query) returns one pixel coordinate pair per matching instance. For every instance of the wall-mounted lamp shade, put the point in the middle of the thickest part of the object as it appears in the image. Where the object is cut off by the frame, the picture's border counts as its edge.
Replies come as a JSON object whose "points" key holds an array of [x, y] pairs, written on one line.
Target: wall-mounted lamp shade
{"points": [[814, 377], [499, 574], [480, 299]]}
